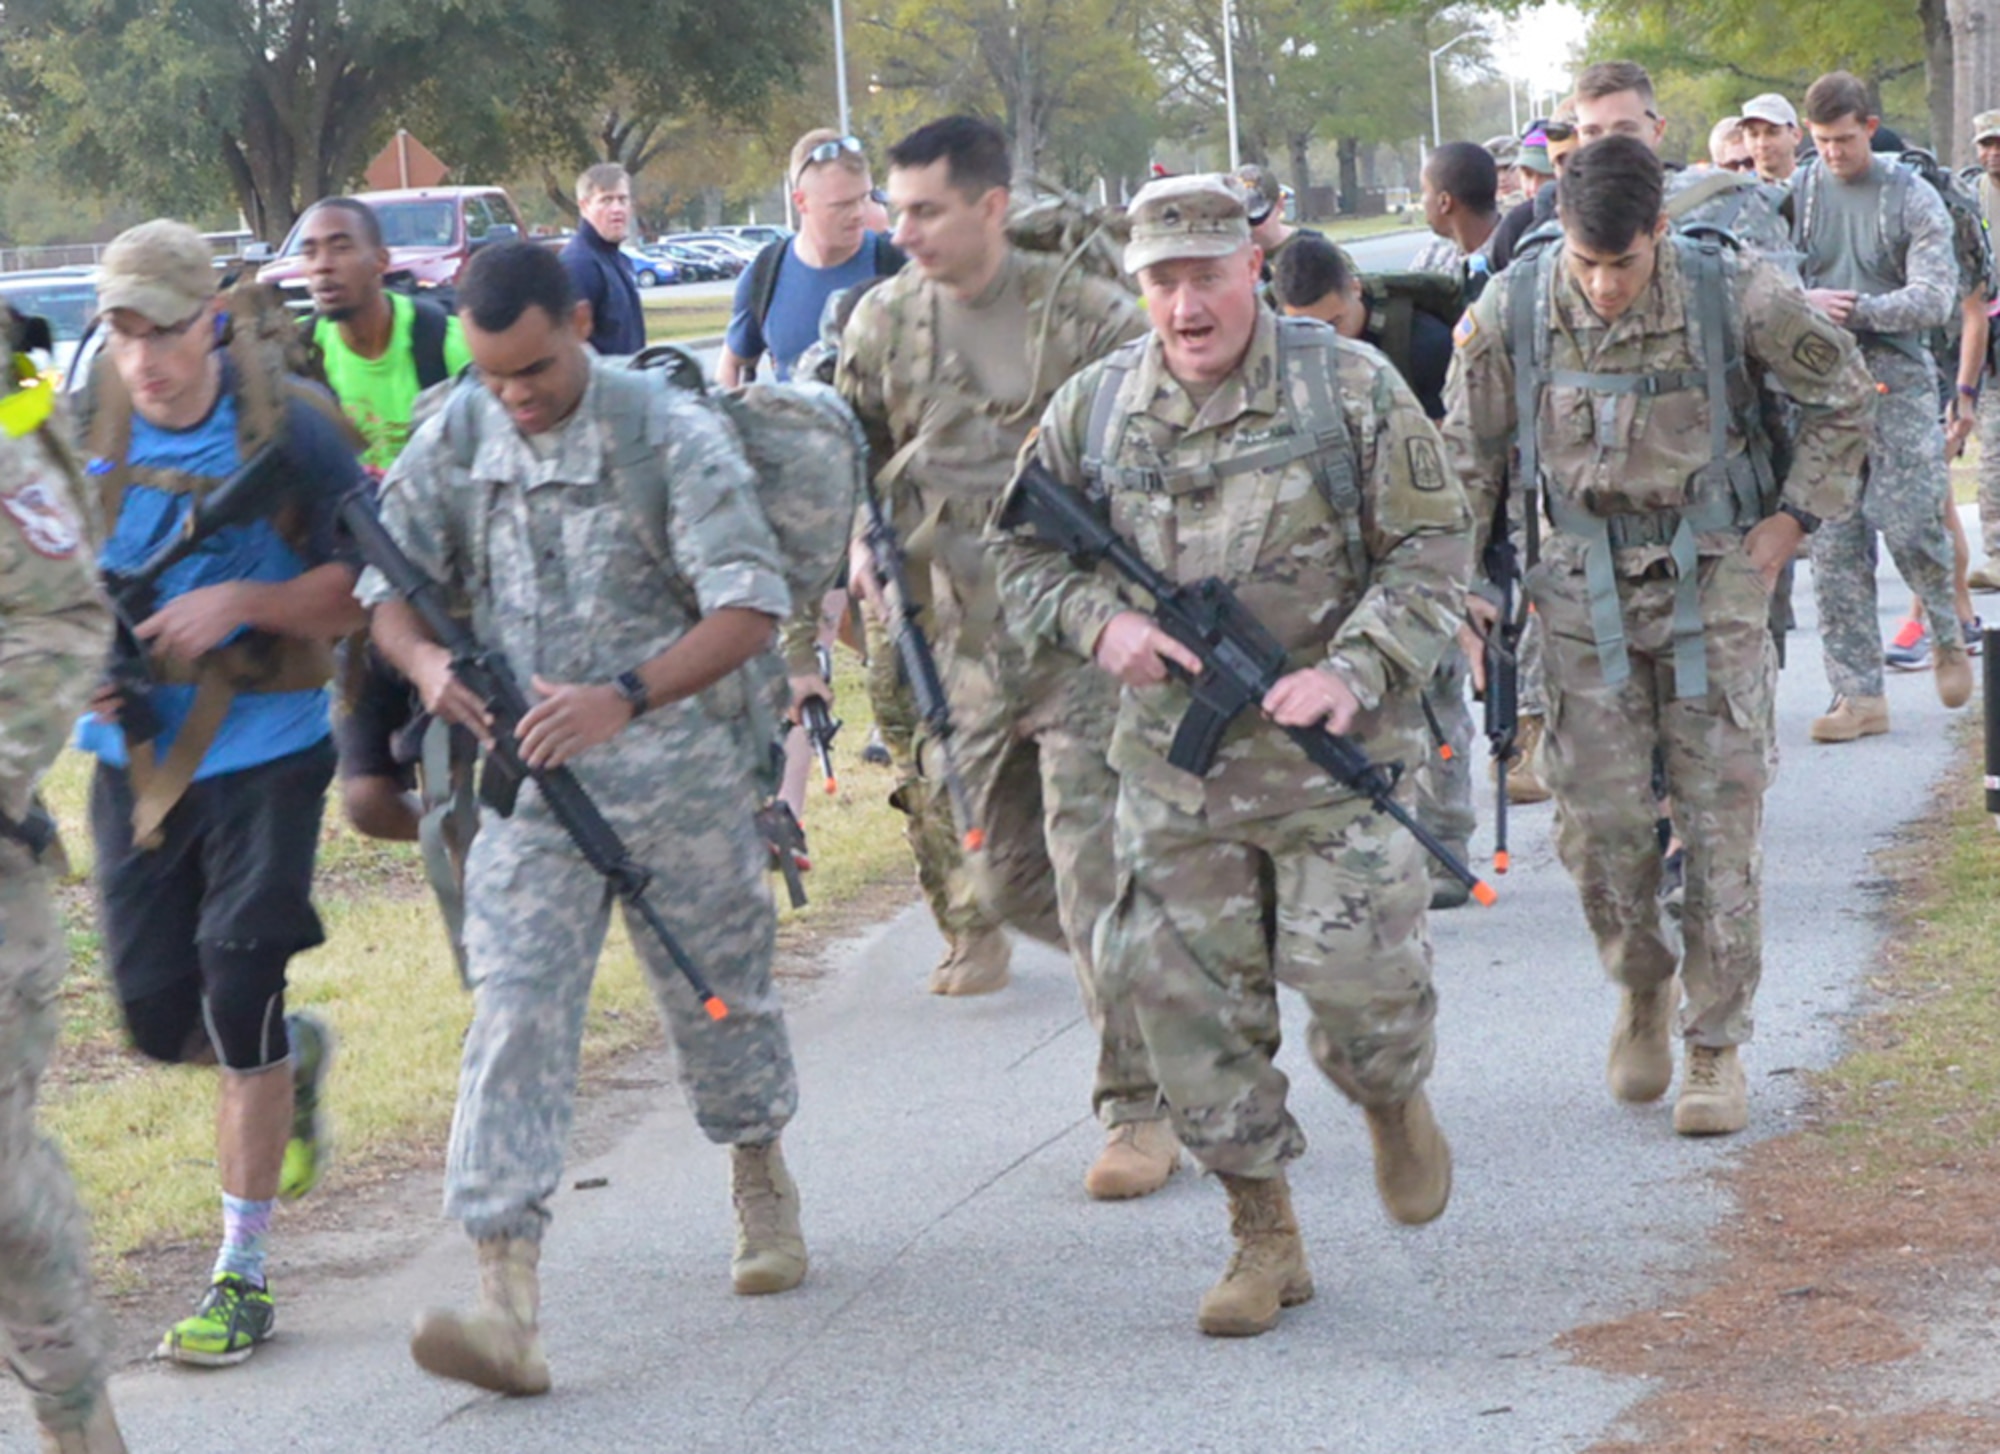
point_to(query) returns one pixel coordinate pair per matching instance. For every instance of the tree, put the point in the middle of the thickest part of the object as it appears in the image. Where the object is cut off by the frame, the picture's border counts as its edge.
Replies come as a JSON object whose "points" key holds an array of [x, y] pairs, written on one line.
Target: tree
{"points": [[275, 103]]}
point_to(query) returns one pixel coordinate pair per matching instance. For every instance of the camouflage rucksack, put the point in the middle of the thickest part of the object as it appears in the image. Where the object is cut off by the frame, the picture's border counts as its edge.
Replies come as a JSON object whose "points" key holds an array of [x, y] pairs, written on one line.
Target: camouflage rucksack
{"points": [[1047, 218]]}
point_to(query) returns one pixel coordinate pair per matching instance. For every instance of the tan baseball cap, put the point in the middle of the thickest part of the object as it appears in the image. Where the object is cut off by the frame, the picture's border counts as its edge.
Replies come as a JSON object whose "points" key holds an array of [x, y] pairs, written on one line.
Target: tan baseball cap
{"points": [[162, 270], [1771, 108], [1193, 216], [1986, 126]]}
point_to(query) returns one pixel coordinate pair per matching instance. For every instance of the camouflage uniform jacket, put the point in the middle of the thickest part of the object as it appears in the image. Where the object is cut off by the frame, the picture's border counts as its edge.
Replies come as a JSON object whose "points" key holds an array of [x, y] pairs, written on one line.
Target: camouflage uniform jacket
{"points": [[1628, 454], [54, 624], [564, 574], [1272, 535], [1918, 245], [944, 454]]}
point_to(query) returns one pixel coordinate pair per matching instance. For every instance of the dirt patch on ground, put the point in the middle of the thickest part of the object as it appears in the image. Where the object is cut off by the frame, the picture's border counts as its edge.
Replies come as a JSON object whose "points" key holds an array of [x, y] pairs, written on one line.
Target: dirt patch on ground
{"points": [[1852, 1307]]}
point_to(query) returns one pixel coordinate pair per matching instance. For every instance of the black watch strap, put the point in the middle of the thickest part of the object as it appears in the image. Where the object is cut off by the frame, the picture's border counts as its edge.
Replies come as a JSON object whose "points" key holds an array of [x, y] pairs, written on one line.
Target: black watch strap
{"points": [[1808, 521], [633, 690]]}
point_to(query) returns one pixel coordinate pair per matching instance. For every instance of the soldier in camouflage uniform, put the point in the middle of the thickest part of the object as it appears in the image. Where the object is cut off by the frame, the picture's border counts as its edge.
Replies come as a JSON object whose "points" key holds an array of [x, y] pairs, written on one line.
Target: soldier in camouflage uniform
{"points": [[631, 655], [1299, 468], [948, 365], [1985, 186], [54, 629], [1878, 260], [1653, 583]]}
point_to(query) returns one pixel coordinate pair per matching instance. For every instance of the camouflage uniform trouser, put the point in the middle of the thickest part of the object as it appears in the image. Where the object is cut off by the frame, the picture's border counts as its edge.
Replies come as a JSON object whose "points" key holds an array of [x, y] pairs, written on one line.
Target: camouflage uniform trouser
{"points": [[1598, 760], [1444, 787], [1903, 496], [1989, 467], [53, 1339], [1212, 918], [536, 915], [927, 819], [1031, 746]]}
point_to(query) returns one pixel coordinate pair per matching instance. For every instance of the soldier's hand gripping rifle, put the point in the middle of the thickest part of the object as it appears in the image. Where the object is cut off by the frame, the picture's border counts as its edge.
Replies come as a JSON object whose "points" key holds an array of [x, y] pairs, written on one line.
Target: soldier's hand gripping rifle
{"points": [[246, 496], [816, 715], [1502, 694], [920, 668], [486, 673], [1240, 660]]}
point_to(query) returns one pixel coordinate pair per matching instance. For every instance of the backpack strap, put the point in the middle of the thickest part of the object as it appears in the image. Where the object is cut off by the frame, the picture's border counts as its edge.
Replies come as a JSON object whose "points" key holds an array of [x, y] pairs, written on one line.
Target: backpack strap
{"points": [[429, 327], [764, 279], [1099, 444], [889, 258]]}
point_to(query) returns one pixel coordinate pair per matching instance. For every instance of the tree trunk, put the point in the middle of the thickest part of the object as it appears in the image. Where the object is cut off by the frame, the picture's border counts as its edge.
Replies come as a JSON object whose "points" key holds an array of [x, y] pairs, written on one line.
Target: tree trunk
{"points": [[1975, 36], [1299, 146], [1349, 150], [1940, 78]]}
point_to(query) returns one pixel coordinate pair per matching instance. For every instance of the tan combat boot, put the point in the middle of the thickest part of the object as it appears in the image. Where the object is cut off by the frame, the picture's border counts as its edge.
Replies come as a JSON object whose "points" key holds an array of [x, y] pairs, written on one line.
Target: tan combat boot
{"points": [[1953, 673], [770, 1248], [499, 1345], [1714, 1098], [1524, 774], [97, 1435], [975, 964], [1268, 1269], [1136, 1161], [1412, 1160], [1852, 717], [1983, 578], [1641, 1064]]}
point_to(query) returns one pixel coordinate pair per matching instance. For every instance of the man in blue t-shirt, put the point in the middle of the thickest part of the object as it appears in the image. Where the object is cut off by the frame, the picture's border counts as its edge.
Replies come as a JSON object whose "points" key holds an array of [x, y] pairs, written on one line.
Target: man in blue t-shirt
{"points": [[779, 298], [213, 746]]}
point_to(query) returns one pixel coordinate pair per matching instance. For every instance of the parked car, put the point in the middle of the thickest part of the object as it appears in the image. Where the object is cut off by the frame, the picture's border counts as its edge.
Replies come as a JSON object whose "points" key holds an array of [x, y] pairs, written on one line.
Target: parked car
{"points": [[728, 260], [694, 266], [742, 247], [431, 233], [652, 272], [65, 297], [759, 232]]}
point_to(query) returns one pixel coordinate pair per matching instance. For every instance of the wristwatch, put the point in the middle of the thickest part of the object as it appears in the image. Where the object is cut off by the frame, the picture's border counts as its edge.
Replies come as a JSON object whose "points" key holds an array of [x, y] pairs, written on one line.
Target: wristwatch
{"points": [[1808, 522], [633, 690]]}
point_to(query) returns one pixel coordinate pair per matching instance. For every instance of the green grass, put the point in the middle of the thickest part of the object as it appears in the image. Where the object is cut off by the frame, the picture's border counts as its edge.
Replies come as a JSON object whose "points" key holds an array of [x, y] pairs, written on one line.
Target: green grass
{"points": [[140, 1137], [669, 320], [1353, 229]]}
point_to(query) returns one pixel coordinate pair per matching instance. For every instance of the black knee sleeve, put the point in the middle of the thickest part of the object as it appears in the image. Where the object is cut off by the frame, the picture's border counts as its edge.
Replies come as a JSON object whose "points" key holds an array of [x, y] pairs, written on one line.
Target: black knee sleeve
{"points": [[243, 1004]]}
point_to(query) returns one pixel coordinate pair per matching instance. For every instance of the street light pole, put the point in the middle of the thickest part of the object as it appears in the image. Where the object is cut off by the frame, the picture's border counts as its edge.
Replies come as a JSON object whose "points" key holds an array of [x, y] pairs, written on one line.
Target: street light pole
{"points": [[840, 67], [1437, 126], [1229, 79]]}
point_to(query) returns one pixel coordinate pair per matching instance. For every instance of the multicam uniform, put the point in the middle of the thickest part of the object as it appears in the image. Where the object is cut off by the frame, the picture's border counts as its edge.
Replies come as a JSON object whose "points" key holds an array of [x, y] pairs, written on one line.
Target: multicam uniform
{"points": [[1907, 273], [1031, 723], [1266, 871], [1617, 456], [54, 631], [544, 538]]}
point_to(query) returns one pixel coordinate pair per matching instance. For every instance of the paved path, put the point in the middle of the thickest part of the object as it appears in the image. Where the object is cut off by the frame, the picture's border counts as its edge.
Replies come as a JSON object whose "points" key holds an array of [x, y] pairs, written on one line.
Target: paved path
{"points": [[966, 1298]]}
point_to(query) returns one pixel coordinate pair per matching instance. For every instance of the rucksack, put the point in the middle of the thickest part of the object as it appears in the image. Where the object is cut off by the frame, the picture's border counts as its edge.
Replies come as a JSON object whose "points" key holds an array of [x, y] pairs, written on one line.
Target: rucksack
{"points": [[887, 258], [429, 325], [1742, 490], [1046, 218], [1308, 352], [1396, 299]]}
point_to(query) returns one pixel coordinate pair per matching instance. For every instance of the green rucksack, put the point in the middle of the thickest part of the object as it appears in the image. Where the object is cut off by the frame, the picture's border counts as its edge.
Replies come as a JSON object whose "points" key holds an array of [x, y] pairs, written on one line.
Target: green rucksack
{"points": [[1394, 300]]}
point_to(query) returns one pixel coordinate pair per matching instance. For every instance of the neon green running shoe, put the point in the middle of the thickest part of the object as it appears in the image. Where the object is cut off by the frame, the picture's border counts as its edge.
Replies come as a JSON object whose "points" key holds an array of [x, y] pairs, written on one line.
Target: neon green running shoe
{"points": [[232, 1318], [309, 1149]]}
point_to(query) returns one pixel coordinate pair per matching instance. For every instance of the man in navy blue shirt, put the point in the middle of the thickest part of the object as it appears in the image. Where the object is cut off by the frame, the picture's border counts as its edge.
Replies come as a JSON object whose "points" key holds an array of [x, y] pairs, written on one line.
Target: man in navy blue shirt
{"points": [[206, 805], [598, 268], [780, 298]]}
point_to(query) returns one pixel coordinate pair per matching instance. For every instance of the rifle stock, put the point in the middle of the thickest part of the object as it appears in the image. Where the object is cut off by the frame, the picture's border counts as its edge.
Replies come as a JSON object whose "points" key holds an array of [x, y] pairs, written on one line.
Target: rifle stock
{"points": [[487, 674], [1241, 660]]}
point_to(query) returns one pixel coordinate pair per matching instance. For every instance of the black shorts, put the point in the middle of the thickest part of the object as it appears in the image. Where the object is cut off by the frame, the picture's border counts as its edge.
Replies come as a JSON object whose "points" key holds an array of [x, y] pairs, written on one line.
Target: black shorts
{"points": [[234, 868], [372, 730]]}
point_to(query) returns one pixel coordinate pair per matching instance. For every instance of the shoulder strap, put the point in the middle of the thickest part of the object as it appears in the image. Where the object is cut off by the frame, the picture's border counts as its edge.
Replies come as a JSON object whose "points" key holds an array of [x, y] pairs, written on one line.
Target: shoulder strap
{"points": [[764, 279], [889, 258], [1527, 346], [1308, 355], [429, 325], [1098, 444]]}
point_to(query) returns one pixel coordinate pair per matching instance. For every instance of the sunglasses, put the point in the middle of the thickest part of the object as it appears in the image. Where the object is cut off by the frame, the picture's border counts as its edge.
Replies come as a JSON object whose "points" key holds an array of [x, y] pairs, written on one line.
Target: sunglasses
{"points": [[828, 151], [1741, 164], [1556, 130]]}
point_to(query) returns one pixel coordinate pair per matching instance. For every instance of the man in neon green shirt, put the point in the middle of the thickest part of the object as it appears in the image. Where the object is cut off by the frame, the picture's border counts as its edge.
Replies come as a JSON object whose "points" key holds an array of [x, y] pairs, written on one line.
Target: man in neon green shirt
{"points": [[381, 350]]}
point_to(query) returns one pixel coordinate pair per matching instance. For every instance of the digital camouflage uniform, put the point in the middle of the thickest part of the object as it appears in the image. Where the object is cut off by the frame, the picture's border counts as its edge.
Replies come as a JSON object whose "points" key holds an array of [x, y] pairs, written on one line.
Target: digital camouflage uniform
{"points": [[54, 632], [561, 579], [1904, 493], [1266, 871], [1988, 193], [1636, 455], [1031, 722]]}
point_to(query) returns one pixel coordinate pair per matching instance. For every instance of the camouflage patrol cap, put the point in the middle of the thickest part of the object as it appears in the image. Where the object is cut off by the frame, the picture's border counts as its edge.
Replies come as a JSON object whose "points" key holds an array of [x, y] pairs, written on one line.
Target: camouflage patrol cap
{"points": [[161, 270], [1261, 191], [1986, 126], [1193, 216]]}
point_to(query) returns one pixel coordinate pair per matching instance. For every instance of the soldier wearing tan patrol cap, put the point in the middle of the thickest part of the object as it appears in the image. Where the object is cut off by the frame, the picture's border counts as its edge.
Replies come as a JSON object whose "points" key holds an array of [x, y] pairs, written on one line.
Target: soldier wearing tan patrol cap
{"points": [[1299, 468]]}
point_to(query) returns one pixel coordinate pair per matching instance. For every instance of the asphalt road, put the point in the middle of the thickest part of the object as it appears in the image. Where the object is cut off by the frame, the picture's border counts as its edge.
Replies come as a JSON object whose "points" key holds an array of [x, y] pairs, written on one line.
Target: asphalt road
{"points": [[966, 1297]]}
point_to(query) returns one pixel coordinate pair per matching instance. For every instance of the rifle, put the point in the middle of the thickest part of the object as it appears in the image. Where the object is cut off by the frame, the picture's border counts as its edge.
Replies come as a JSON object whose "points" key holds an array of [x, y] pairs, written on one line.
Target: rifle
{"points": [[919, 663], [239, 500], [1502, 695], [486, 673], [786, 841], [1240, 660], [820, 723]]}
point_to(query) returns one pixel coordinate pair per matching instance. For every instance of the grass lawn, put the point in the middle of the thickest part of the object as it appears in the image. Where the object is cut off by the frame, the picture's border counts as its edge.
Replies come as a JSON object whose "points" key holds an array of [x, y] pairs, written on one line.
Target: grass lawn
{"points": [[140, 1137], [1353, 229], [669, 320]]}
